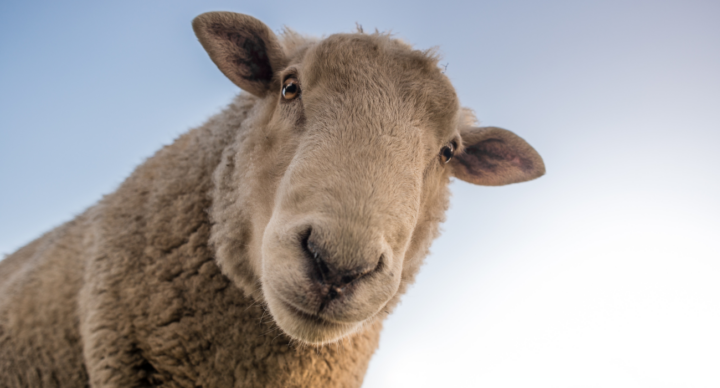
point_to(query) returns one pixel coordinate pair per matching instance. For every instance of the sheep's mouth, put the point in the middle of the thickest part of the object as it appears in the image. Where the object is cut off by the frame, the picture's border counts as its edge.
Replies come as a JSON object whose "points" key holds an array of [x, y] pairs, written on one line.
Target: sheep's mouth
{"points": [[307, 327], [314, 318]]}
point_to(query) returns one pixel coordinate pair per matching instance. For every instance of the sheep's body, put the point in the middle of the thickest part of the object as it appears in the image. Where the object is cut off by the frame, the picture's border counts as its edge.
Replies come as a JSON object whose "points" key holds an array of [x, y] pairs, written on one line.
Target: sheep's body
{"points": [[40, 342], [265, 248], [140, 266]]}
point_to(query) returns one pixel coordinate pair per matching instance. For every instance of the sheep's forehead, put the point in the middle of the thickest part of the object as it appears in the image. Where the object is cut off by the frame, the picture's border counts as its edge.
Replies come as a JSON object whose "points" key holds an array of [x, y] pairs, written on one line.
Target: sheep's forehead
{"points": [[362, 68]]}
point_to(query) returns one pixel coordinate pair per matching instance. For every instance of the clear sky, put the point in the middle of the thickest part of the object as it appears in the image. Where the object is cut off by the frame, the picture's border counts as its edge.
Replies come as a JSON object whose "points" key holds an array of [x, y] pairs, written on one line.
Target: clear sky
{"points": [[603, 273]]}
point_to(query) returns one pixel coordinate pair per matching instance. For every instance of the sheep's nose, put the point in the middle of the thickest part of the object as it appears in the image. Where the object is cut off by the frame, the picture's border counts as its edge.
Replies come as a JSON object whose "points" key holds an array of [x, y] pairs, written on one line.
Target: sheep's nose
{"points": [[328, 272]]}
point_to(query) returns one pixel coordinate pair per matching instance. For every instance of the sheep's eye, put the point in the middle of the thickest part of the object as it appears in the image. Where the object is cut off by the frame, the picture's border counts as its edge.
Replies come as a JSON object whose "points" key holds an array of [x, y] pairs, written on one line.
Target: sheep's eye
{"points": [[447, 152], [290, 89]]}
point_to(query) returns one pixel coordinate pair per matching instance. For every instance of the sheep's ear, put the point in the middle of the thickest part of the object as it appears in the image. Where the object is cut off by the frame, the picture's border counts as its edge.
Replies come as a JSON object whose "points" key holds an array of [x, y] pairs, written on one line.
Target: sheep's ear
{"points": [[243, 48], [494, 157]]}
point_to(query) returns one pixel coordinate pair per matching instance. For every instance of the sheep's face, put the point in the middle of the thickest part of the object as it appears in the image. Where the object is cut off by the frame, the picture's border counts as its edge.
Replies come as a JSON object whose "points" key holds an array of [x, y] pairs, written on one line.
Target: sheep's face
{"points": [[349, 201], [353, 142]]}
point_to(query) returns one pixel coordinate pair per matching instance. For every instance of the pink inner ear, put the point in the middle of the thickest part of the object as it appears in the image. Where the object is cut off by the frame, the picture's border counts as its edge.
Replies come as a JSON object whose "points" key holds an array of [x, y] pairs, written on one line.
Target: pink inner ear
{"points": [[246, 50], [490, 154]]}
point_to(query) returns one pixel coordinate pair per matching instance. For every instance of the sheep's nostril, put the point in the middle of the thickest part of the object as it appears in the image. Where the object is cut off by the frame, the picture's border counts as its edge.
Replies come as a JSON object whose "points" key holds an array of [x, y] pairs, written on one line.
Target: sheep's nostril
{"points": [[347, 279], [320, 269], [320, 265]]}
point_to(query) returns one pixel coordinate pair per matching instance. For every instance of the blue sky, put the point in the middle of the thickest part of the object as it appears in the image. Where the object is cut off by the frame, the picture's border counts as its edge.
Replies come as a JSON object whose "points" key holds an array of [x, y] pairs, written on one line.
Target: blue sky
{"points": [[603, 273]]}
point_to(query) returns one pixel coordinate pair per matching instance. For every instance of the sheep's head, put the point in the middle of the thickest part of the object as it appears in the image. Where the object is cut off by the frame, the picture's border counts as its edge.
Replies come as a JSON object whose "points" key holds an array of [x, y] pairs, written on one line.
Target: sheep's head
{"points": [[333, 190]]}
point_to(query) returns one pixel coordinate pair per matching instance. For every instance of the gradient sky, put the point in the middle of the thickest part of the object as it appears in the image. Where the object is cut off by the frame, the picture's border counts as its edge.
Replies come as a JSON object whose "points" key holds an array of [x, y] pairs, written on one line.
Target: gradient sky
{"points": [[603, 273]]}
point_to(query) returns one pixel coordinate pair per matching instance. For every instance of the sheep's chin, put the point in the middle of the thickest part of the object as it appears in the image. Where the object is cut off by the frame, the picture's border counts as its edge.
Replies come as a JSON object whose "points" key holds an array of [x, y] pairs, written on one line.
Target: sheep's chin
{"points": [[304, 327]]}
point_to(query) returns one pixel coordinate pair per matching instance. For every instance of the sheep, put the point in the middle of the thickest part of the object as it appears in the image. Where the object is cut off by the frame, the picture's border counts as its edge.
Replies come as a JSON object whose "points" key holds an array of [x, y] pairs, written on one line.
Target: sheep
{"points": [[265, 247]]}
